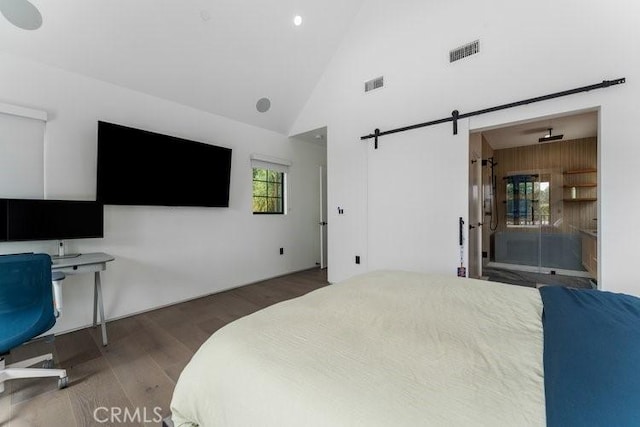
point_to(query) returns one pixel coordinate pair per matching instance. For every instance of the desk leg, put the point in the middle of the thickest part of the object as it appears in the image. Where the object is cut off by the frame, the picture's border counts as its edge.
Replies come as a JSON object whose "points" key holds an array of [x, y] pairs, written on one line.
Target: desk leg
{"points": [[95, 299], [97, 295]]}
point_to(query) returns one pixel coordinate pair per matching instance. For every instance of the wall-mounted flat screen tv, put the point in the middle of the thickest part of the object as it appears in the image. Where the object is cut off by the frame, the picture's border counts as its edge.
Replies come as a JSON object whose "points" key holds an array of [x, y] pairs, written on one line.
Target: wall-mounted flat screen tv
{"points": [[29, 219], [138, 167]]}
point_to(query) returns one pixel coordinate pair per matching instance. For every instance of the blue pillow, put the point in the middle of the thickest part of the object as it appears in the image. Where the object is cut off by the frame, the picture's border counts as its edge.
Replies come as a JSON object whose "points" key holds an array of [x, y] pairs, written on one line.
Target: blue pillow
{"points": [[591, 357]]}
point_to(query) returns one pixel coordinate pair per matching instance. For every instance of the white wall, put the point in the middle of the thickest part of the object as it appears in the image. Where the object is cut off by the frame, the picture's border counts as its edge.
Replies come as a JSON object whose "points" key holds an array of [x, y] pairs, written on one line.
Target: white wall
{"points": [[21, 155], [402, 202], [163, 254]]}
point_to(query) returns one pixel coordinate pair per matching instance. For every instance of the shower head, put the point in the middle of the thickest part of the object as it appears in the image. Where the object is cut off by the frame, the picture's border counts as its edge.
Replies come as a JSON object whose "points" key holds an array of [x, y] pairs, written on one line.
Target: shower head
{"points": [[549, 137]]}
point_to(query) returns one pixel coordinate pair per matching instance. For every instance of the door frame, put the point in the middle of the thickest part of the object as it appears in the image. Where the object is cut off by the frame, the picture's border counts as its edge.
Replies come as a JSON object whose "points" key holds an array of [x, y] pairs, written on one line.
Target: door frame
{"points": [[475, 206], [541, 113], [324, 235]]}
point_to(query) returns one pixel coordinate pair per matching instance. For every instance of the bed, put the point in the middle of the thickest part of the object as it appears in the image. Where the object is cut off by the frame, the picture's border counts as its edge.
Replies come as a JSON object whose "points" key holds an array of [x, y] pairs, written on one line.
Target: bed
{"points": [[395, 348]]}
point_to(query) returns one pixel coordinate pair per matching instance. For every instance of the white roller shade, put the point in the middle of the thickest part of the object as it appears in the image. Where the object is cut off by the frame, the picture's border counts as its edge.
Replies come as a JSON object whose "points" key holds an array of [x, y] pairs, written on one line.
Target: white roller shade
{"points": [[21, 152], [271, 163]]}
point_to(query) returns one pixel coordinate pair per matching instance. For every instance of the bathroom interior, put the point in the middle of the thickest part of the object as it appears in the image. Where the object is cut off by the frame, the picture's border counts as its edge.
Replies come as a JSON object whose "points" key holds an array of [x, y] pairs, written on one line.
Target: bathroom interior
{"points": [[539, 202]]}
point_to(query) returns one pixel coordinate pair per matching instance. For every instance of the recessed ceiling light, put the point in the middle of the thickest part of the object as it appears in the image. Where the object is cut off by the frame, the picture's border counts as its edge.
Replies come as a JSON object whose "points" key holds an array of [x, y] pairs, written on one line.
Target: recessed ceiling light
{"points": [[297, 20]]}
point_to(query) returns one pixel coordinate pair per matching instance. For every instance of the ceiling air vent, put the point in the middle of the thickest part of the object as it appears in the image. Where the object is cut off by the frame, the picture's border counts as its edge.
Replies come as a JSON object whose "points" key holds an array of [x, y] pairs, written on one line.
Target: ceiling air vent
{"points": [[372, 84], [464, 51]]}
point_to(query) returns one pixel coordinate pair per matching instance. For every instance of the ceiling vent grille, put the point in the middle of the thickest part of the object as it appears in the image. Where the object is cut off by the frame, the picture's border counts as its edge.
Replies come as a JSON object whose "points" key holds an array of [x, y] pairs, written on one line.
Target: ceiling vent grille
{"points": [[464, 51], [372, 84]]}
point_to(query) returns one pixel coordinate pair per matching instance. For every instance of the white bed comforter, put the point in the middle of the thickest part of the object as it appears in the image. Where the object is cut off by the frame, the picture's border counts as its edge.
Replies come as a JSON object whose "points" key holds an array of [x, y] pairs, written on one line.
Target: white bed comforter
{"points": [[382, 349]]}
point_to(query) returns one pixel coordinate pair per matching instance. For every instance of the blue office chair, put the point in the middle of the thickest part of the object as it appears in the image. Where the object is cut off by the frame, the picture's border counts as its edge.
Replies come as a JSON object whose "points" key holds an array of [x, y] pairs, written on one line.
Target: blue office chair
{"points": [[27, 309]]}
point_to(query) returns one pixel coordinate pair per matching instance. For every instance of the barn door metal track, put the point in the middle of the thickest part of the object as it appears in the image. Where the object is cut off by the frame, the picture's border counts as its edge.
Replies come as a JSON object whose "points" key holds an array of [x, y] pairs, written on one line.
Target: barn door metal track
{"points": [[455, 114]]}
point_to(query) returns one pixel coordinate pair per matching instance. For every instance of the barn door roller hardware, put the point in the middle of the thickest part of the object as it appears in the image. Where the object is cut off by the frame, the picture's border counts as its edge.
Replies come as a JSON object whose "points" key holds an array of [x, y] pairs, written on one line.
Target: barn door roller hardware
{"points": [[455, 114]]}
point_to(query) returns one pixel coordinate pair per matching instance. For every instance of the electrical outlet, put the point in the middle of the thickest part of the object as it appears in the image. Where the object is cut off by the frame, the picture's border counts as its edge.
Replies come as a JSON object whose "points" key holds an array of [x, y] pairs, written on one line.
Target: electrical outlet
{"points": [[357, 259], [281, 251]]}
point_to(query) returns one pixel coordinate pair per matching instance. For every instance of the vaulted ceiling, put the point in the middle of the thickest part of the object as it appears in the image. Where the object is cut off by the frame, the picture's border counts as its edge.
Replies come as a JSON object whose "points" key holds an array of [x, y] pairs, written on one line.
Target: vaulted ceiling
{"points": [[219, 56]]}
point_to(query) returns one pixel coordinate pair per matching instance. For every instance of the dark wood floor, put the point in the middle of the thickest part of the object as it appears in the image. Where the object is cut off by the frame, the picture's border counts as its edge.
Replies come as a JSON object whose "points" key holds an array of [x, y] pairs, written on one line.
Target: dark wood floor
{"points": [[140, 366]]}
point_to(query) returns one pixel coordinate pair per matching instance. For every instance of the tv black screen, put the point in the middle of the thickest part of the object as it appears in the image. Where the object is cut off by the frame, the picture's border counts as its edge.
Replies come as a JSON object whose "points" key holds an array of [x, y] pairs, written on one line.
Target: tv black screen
{"points": [[3, 220], [137, 167], [27, 219]]}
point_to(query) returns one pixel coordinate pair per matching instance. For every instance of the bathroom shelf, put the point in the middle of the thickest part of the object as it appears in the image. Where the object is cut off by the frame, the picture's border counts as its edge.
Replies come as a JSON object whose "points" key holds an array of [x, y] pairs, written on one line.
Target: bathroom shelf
{"points": [[582, 199], [583, 195], [576, 171]]}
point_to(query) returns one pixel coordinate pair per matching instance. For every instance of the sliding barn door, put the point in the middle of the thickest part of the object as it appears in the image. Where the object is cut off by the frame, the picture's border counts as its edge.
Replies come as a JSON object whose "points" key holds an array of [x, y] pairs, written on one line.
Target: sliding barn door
{"points": [[417, 190]]}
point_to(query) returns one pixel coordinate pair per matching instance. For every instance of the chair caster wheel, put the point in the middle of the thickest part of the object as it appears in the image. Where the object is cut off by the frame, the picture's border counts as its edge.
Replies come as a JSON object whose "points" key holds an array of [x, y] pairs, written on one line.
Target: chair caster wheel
{"points": [[47, 364], [63, 382]]}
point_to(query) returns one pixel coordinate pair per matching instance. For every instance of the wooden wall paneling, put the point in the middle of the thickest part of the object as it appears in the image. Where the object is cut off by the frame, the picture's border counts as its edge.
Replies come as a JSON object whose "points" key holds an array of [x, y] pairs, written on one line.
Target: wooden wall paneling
{"points": [[556, 159]]}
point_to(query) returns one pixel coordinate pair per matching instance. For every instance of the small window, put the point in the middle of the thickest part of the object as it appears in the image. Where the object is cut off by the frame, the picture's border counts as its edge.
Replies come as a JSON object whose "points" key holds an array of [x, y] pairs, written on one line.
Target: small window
{"points": [[527, 201], [268, 191]]}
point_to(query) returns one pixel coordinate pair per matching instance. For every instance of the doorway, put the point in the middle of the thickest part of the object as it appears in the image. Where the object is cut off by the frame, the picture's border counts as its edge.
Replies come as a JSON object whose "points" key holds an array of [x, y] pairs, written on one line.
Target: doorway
{"points": [[318, 138], [539, 202], [323, 217]]}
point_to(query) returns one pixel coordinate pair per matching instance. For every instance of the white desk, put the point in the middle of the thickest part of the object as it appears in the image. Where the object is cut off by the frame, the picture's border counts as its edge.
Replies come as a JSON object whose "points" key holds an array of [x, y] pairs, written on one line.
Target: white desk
{"points": [[88, 263]]}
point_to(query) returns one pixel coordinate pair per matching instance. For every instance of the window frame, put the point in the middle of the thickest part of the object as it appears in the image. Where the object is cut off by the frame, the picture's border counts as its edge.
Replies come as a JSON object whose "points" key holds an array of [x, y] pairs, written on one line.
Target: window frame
{"points": [[536, 180], [282, 192]]}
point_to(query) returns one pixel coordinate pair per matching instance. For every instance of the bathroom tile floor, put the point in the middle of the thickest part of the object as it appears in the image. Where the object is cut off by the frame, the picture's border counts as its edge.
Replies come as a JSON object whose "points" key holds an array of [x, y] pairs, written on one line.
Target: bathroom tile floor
{"points": [[530, 279]]}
